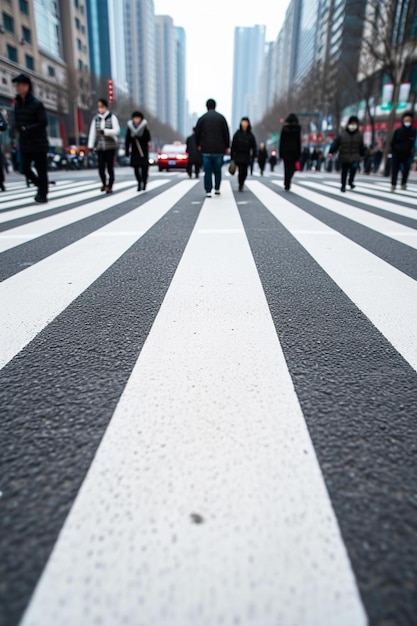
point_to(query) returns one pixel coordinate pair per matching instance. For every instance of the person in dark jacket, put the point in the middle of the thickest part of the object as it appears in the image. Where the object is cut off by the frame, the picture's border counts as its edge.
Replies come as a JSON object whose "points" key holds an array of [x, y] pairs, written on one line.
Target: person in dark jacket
{"points": [[290, 147], [104, 130], [213, 141], [402, 149], [262, 157], [273, 160], [3, 128], [351, 150], [31, 122], [243, 149], [137, 142], [194, 155]]}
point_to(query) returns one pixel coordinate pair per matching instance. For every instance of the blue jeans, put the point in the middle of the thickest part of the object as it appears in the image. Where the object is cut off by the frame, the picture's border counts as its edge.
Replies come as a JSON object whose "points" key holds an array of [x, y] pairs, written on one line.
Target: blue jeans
{"points": [[212, 164]]}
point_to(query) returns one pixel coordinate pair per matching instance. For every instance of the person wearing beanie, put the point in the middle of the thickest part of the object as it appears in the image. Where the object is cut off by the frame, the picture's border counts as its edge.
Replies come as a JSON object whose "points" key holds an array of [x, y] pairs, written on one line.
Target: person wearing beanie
{"points": [[351, 150], [137, 142], [402, 150], [31, 122]]}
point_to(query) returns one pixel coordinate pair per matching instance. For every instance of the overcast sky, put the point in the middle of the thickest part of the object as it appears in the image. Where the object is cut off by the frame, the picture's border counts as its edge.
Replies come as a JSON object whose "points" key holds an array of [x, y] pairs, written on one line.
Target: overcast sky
{"points": [[210, 27]]}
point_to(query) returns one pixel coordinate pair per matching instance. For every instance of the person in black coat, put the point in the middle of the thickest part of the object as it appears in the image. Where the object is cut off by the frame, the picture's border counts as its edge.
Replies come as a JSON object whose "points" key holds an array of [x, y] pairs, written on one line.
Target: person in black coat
{"points": [[262, 157], [213, 141], [3, 128], [243, 149], [290, 147], [402, 149], [194, 155], [137, 142], [31, 122]]}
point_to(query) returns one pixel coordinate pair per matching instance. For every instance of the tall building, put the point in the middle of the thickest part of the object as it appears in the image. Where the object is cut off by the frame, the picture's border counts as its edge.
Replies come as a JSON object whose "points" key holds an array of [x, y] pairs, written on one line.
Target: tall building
{"points": [[31, 42], [248, 59], [306, 44], [166, 70], [76, 54], [182, 111], [140, 51], [107, 43]]}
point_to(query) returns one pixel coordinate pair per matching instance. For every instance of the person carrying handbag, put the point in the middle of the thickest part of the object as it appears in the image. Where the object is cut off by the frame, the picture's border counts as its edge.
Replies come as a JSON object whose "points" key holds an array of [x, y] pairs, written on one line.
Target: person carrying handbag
{"points": [[137, 142]]}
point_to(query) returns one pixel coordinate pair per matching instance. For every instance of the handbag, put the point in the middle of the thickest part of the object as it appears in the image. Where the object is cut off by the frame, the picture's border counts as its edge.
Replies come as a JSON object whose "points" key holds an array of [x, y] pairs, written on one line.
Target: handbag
{"points": [[232, 167], [297, 166]]}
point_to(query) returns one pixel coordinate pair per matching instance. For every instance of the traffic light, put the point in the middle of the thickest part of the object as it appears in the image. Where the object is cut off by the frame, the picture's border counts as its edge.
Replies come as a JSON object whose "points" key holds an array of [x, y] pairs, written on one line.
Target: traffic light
{"points": [[110, 91]]}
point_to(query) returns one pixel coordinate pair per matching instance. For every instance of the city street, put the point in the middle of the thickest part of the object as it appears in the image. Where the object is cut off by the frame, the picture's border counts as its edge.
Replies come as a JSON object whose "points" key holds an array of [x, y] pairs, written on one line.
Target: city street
{"points": [[208, 405]]}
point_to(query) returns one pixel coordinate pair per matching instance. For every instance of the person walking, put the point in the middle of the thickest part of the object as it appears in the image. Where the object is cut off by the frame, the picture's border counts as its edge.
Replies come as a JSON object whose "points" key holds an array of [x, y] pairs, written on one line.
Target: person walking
{"points": [[262, 157], [351, 150], [273, 160], [104, 130], [213, 141], [402, 149], [3, 128], [194, 155], [290, 147], [137, 142], [243, 149], [31, 122]]}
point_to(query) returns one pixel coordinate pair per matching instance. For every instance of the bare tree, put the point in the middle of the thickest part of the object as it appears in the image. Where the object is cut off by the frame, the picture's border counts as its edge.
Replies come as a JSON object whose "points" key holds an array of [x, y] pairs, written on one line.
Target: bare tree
{"points": [[389, 46]]}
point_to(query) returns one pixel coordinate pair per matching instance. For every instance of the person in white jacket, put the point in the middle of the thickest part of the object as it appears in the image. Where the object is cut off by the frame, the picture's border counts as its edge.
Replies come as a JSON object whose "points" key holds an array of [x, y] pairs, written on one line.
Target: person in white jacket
{"points": [[104, 130]]}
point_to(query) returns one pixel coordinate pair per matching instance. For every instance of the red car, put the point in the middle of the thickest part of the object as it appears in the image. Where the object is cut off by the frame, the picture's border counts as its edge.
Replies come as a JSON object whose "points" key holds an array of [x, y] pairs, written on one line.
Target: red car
{"points": [[172, 157]]}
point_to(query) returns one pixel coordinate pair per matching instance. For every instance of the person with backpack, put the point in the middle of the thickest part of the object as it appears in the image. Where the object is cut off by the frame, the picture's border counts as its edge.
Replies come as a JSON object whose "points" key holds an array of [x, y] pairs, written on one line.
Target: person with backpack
{"points": [[104, 131]]}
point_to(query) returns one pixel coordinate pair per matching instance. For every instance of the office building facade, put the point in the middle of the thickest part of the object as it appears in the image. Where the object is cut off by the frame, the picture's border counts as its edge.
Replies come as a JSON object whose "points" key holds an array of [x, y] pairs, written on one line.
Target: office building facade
{"points": [[166, 70], [248, 60]]}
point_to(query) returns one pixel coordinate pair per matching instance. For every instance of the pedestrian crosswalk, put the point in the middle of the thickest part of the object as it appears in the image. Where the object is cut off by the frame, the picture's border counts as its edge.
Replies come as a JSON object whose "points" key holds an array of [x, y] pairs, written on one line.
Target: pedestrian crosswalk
{"points": [[206, 403]]}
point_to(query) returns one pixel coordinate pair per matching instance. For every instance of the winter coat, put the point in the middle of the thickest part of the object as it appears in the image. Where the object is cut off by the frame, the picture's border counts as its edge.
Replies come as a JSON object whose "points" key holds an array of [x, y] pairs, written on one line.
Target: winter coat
{"points": [[403, 141], [194, 155], [137, 135], [31, 122], [109, 124], [350, 146], [290, 142], [262, 157], [212, 133], [243, 147]]}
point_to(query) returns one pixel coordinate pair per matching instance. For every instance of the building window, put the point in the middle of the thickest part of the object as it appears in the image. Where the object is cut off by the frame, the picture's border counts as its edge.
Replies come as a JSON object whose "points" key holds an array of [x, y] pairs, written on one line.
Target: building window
{"points": [[8, 23], [76, 4], [26, 34], [80, 65], [30, 63], [12, 53], [24, 6], [77, 23], [79, 44], [51, 71]]}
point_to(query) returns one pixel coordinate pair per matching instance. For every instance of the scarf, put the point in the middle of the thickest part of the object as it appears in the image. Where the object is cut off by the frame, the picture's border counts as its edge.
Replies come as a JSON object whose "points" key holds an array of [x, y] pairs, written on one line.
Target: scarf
{"points": [[137, 131]]}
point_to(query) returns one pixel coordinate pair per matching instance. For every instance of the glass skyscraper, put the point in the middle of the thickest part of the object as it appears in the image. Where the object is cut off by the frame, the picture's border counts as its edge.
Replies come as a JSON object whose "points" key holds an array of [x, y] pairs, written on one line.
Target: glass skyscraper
{"points": [[248, 60]]}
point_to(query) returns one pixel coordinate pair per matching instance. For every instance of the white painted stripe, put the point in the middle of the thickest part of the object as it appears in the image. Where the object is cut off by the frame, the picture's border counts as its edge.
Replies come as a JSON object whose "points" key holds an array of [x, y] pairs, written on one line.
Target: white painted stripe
{"points": [[20, 187], [377, 202], [384, 294], [375, 190], [208, 425], [69, 198], [23, 198], [22, 234], [34, 297], [398, 232]]}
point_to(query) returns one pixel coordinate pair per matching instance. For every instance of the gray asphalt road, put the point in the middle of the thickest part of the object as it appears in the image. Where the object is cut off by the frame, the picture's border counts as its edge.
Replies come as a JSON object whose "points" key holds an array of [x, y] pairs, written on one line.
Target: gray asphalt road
{"points": [[88, 281]]}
